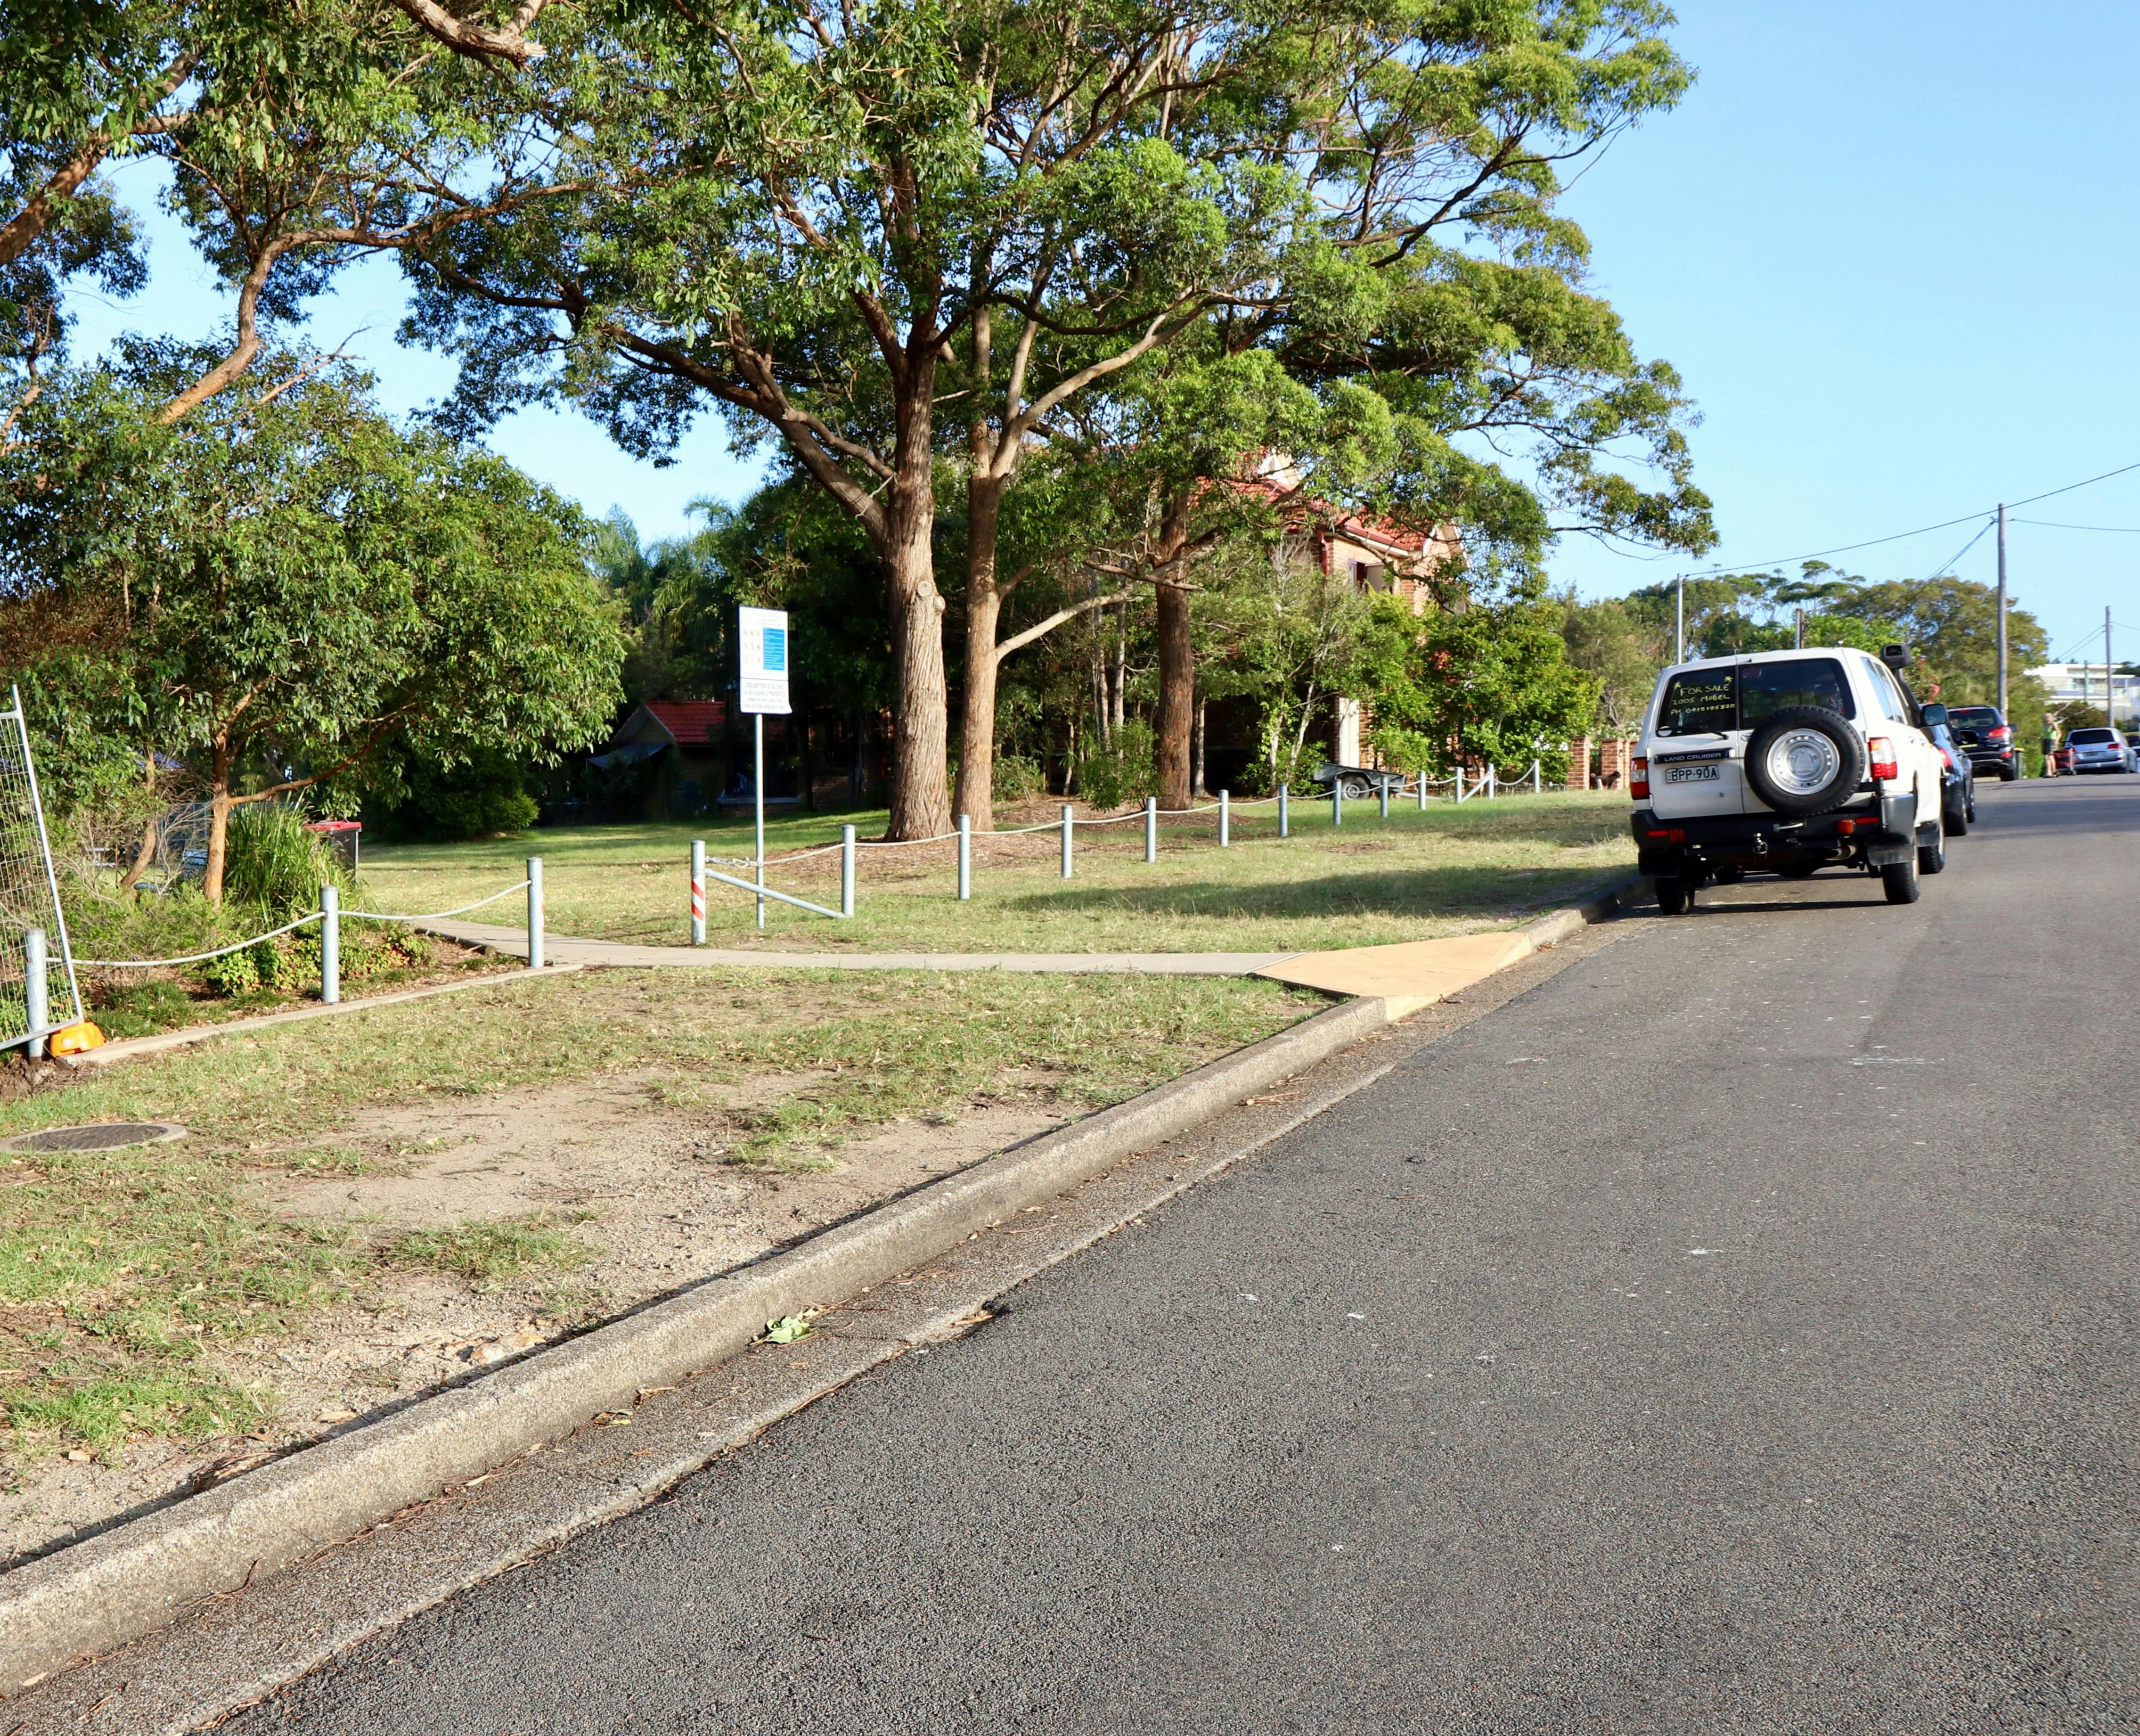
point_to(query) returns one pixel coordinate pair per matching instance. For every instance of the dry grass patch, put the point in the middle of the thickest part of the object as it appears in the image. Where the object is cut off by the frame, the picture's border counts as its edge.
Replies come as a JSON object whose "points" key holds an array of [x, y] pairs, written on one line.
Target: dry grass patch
{"points": [[142, 1292]]}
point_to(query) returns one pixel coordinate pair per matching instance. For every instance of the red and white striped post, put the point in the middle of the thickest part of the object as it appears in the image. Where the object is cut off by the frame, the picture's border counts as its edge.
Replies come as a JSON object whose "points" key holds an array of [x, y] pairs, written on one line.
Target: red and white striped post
{"points": [[698, 892]]}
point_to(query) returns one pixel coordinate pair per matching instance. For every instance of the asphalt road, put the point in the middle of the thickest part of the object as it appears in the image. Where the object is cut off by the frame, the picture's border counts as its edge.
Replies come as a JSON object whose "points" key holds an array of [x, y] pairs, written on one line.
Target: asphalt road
{"points": [[1735, 1333]]}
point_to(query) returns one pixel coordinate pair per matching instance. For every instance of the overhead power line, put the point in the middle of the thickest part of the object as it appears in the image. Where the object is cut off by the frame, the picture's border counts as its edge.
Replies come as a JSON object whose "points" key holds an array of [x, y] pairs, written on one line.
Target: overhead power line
{"points": [[1901, 536]]}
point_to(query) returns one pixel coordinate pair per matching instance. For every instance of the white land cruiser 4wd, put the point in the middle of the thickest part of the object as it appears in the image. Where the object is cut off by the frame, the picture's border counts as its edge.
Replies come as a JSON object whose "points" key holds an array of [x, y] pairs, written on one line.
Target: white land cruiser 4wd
{"points": [[1789, 760]]}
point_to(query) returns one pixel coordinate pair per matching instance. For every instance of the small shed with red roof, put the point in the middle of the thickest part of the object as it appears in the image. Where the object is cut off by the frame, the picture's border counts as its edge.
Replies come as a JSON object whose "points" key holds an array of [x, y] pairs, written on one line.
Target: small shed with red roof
{"points": [[685, 738]]}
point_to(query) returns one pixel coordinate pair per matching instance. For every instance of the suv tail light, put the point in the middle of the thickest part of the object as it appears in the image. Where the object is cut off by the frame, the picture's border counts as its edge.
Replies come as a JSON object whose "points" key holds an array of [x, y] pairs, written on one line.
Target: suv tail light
{"points": [[1881, 751], [2002, 733], [1946, 759], [1638, 782]]}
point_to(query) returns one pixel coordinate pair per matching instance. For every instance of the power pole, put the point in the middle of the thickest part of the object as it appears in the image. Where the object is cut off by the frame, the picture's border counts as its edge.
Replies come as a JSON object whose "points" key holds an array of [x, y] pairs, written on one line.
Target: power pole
{"points": [[2109, 676], [2003, 717], [1679, 643], [1798, 643]]}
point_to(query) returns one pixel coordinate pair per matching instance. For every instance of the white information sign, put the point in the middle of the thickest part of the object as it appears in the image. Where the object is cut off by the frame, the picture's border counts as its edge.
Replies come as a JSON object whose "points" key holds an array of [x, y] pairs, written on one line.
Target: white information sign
{"points": [[763, 633]]}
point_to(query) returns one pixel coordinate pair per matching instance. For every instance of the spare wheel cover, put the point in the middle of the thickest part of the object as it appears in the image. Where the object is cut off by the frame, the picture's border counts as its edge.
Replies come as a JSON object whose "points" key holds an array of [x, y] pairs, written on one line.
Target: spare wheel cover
{"points": [[1806, 759]]}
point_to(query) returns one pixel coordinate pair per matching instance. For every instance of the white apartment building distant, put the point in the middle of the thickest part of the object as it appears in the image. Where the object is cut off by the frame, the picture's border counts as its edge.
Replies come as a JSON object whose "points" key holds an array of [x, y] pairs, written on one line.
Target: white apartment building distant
{"points": [[2082, 684]]}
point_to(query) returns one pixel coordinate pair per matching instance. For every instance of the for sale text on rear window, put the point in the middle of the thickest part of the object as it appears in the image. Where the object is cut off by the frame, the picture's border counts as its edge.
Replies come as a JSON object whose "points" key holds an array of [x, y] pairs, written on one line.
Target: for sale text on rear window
{"points": [[1700, 702], [1745, 696]]}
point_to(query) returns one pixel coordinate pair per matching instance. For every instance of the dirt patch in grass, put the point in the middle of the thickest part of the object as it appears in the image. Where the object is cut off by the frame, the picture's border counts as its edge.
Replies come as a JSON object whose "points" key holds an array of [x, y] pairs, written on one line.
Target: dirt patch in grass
{"points": [[376, 1205]]}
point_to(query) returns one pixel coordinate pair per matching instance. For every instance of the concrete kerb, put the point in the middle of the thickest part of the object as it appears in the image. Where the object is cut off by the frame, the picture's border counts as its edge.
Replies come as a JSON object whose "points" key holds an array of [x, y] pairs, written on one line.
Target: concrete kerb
{"points": [[96, 1595]]}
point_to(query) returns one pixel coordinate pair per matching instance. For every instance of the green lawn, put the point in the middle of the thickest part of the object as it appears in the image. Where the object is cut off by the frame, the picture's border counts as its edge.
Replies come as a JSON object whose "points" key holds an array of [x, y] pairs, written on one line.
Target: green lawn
{"points": [[1411, 877], [117, 1269]]}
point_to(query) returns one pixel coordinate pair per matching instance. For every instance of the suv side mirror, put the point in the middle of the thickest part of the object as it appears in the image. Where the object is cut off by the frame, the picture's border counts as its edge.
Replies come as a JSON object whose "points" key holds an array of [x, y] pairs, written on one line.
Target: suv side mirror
{"points": [[1931, 713]]}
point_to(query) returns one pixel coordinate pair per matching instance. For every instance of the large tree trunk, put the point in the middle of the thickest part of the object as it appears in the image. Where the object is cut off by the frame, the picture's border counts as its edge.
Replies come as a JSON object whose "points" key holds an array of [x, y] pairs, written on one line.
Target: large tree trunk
{"points": [[920, 807], [977, 723], [1177, 696], [920, 804]]}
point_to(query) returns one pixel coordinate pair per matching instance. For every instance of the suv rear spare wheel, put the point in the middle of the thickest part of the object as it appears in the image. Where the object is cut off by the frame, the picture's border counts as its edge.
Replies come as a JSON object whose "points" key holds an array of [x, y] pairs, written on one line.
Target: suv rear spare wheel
{"points": [[1805, 759]]}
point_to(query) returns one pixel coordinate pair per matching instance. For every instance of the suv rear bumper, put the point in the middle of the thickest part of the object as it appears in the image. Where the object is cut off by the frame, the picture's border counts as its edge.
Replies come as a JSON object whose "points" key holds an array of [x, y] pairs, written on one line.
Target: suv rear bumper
{"points": [[1878, 833]]}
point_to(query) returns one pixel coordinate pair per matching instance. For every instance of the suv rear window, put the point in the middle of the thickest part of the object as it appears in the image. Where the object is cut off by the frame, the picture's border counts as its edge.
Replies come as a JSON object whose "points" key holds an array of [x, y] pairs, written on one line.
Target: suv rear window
{"points": [[1744, 696], [1973, 717], [2090, 738]]}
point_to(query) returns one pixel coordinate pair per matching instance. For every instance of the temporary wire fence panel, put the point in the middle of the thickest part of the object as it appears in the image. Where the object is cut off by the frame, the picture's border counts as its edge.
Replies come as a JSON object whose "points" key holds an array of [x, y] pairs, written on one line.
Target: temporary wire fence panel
{"points": [[29, 895]]}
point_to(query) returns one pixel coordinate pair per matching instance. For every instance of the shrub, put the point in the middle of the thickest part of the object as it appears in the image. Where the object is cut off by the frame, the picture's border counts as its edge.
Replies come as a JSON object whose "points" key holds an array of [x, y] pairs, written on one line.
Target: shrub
{"points": [[1018, 779], [1121, 771], [234, 973], [275, 864], [485, 795]]}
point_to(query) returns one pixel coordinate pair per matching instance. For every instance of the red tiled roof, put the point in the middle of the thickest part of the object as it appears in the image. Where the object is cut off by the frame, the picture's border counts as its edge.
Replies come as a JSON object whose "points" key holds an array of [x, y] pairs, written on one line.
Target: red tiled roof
{"points": [[1350, 526], [693, 722]]}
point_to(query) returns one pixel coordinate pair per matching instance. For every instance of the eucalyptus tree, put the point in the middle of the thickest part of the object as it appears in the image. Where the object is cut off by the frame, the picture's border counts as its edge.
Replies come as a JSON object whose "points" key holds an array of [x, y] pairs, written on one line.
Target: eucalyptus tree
{"points": [[823, 221], [287, 590], [1334, 235], [284, 128]]}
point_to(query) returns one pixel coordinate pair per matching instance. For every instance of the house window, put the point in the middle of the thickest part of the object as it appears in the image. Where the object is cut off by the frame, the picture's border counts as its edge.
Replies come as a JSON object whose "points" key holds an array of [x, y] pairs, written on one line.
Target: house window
{"points": [[1370, 576]]}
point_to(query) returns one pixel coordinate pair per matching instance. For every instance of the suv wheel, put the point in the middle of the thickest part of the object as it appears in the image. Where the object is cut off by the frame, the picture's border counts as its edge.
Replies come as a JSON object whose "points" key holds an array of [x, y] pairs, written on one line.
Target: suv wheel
{"points": [[1954, 819], [2007, 773], [1674, 895], [1900, 880]]}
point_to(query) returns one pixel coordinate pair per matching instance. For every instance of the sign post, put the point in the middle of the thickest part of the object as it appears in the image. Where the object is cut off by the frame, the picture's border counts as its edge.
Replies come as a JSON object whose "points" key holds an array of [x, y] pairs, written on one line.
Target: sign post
{"points": [[762, 638]]}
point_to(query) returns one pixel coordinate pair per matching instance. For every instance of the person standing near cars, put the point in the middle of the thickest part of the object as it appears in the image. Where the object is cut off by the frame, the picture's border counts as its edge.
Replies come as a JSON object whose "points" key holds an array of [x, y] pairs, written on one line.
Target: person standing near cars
{"points": [[2051, 749]]}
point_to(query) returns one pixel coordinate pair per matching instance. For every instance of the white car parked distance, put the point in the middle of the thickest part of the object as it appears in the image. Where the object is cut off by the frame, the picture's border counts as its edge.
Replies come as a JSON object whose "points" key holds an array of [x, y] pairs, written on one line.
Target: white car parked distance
{"points": [[1790, 761]]}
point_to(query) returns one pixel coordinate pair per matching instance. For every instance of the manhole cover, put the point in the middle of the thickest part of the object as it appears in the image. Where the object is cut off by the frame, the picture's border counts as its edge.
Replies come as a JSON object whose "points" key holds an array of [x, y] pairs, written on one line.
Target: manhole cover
{"points": [[99, 1136]]}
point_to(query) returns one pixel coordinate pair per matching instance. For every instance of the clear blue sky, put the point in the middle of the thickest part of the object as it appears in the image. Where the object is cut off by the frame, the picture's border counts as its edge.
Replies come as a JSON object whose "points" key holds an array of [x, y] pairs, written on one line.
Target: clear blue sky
{"points": [[1891, 248]]}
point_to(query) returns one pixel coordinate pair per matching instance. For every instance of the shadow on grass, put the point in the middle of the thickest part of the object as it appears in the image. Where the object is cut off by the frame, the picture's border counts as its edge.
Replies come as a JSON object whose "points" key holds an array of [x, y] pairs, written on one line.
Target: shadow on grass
{"points": [[1445, 892]]}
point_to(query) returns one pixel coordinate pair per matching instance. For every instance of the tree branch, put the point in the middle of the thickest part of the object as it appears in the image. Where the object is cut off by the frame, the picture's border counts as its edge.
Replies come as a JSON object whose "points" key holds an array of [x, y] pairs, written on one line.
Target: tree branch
{"points": [[1039, 629], [464, 37]]}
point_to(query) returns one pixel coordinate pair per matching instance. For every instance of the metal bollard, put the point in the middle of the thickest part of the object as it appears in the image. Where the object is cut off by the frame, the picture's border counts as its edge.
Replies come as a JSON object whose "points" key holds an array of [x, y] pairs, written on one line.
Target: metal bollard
{"points": [[1460, 786], [1537, 781], [846, 870], [534, 912], [698, 892], [1422, 789], [1382, 788], [330, 945], [1337, 802], [1284, 812], [35, 1013], [965, 856], [1066, 840], [1225, 819], [1151, 828], [1492, 774]]}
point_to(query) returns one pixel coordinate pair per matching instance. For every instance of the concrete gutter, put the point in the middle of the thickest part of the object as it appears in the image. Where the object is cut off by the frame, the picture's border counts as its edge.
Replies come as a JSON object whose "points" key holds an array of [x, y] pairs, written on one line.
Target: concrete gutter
{"points": [[99, 1593]]}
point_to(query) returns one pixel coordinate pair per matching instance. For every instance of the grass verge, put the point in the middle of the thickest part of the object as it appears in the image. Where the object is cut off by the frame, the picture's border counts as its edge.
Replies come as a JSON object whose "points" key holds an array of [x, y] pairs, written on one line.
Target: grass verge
{"points": [[1447, 870], [128, 1278]]}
